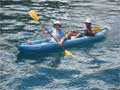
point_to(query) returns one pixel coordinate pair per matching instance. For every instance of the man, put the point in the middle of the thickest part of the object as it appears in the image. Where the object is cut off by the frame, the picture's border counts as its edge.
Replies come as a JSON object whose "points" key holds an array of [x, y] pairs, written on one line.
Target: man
{"points": [[88, 28], [56, 31]]}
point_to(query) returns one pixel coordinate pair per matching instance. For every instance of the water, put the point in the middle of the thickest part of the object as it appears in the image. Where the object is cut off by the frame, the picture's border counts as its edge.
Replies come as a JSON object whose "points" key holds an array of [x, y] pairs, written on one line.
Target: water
{"points": [[93, 67]]}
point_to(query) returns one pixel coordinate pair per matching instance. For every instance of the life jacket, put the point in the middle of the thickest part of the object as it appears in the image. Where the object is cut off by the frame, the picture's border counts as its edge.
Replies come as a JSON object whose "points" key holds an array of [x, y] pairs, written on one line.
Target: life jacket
{"points": [[55, 33], [88, 27], [58, 34]]}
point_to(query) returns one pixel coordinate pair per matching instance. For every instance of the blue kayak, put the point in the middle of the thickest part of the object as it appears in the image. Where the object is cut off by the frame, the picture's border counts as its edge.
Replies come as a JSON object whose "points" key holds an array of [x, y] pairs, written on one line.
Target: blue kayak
{"points": [[48, 46]]}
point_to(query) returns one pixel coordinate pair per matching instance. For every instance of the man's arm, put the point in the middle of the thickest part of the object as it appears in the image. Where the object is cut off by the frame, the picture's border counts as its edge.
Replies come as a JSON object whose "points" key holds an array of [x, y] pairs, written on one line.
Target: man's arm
{"points": [[62, 39], [43, 28]]}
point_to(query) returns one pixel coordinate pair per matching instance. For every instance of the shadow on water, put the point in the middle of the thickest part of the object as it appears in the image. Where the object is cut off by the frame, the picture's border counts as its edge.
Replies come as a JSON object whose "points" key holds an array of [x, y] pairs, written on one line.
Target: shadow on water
{"points": [[54, 59], [109, 76], [47, 76]]}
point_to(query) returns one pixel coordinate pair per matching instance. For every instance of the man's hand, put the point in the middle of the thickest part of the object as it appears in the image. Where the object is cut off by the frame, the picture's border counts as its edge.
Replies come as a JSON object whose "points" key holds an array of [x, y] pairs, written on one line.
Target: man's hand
{"points": [[61, 41]]}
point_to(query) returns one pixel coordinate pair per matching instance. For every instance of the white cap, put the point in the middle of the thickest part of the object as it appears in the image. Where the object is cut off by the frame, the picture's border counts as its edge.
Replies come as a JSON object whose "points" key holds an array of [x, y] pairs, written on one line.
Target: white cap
{"points": [[57, 22], [88, 20]]}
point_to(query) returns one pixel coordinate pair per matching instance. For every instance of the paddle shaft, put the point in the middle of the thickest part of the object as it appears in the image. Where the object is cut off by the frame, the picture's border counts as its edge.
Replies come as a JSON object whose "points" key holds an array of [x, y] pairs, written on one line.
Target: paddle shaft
{"points": [[48, 32]]}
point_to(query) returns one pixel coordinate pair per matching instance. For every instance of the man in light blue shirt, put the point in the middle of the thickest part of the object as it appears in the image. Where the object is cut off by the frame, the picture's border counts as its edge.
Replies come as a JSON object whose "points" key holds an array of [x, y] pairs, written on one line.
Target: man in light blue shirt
{"points": [[57, 32]]}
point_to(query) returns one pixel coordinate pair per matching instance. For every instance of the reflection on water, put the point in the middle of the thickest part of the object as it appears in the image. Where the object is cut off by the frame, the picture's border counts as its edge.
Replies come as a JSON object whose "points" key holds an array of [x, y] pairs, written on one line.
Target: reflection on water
{"points": [[92, 67], [52, 60]]}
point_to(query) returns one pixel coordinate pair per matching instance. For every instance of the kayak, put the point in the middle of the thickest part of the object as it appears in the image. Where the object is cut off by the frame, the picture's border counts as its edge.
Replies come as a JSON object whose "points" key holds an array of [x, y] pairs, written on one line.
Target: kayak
{"points": [[47, 46]]}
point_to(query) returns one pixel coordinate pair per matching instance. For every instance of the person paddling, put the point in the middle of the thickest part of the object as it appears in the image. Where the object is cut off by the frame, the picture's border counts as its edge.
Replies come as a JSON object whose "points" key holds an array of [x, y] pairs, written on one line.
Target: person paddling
{"points": [[88, 27], [56, 31]]}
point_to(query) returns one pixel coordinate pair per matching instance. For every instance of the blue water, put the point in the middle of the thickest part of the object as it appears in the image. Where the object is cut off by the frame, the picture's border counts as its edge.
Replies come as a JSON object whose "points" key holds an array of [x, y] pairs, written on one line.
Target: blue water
{"points": [[92, 67]]}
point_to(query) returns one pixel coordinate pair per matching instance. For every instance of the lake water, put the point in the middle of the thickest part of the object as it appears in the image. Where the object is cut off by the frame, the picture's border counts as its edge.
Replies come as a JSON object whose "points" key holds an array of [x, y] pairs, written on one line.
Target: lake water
{"points": [[92, 67]]}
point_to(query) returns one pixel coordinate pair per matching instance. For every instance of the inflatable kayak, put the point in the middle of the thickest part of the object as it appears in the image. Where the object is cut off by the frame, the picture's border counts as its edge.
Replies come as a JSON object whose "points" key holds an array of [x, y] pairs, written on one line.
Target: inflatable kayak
{"points": [[47, 46]]}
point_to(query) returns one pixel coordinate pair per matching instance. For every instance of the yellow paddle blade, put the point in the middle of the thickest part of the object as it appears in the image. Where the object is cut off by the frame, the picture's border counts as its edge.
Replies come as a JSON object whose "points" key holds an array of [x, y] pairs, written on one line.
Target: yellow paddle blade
{"points": [[34, 15], [96, 29], [67, 53]]}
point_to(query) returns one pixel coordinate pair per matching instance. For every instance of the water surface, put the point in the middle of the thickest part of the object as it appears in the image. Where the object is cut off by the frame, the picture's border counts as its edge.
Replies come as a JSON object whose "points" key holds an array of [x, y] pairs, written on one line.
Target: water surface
{"points": [[93, 67]]}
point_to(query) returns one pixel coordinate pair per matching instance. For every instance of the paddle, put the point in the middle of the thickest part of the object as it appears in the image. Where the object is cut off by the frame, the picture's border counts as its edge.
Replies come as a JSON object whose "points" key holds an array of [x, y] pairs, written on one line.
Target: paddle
{"points": [[34, 16]]}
